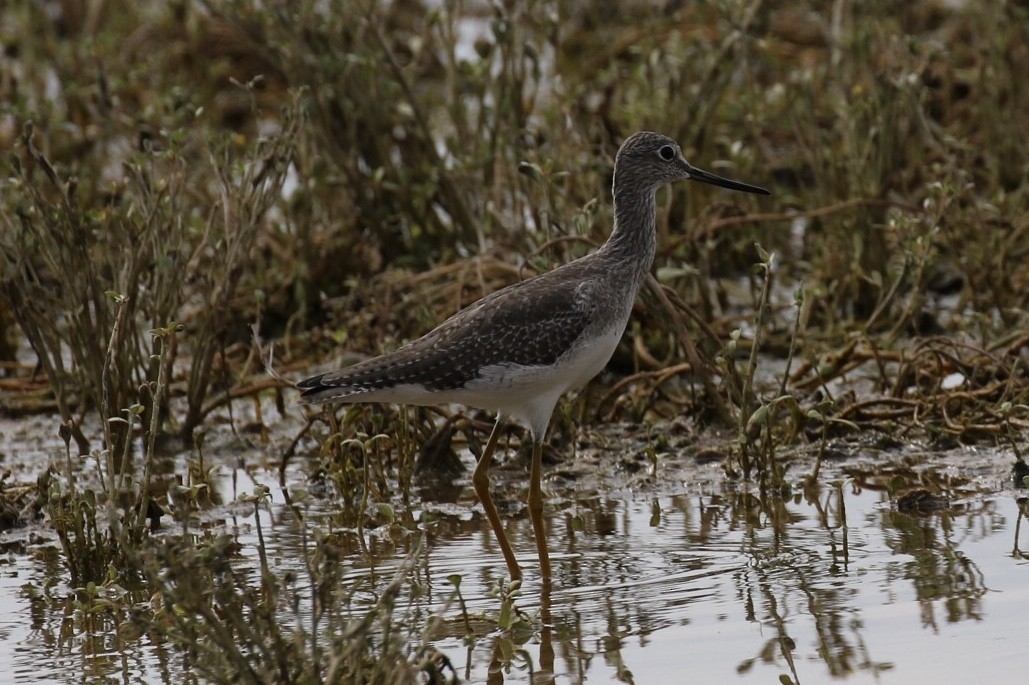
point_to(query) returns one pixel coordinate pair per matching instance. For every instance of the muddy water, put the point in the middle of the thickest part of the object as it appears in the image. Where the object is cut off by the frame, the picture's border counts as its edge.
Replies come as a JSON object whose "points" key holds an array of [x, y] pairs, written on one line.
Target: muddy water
{"points": [[687, 579]]}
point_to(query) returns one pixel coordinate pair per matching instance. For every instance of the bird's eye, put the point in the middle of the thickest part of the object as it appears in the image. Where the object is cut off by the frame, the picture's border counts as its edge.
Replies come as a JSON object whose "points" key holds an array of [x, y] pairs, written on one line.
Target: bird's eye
{"points": [[667, 153]]}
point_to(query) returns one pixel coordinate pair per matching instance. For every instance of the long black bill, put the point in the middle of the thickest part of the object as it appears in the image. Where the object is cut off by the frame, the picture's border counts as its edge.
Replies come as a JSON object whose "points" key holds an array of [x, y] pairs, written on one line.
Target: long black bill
{"points": [[707, 177]]}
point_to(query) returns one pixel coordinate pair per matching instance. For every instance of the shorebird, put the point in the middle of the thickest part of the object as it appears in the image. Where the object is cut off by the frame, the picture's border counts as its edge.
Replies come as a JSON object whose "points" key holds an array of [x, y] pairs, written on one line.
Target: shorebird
{"points": [[517, 350]]}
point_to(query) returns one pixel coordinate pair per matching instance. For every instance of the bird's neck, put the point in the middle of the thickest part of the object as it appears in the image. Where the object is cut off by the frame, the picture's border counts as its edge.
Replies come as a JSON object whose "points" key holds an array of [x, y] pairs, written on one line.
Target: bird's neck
{"points": [[633, 240]]}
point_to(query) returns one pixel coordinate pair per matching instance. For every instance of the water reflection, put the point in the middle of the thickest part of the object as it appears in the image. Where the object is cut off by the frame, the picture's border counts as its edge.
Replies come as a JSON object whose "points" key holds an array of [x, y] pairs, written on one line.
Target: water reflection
{"points": [[723, 586], [1023, 513], [712, 585]]}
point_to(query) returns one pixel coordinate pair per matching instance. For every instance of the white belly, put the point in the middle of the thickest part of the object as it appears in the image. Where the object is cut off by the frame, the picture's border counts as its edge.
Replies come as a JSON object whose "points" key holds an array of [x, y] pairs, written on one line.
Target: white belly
{"points": [[528, 393]]}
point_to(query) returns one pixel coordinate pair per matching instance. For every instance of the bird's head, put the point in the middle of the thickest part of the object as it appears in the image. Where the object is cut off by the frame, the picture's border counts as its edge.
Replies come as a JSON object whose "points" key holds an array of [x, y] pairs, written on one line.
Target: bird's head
{"points": [[653, 160]]}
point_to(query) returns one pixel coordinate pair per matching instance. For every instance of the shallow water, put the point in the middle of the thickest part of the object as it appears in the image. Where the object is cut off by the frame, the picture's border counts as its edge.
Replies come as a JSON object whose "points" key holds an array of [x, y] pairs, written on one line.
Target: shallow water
{"points": [[698, 587], [703, 585]]}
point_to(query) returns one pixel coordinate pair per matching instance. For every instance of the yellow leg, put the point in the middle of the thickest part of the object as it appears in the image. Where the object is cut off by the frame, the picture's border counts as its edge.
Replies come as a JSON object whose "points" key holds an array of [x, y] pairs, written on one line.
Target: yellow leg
{"points": [[480, 479], [536, 509]]}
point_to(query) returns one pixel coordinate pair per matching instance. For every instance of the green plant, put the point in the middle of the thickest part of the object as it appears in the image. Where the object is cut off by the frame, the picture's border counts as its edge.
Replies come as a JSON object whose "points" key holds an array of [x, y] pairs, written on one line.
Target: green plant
{"points": [[287, 625], [80, 269], [101, 533]]}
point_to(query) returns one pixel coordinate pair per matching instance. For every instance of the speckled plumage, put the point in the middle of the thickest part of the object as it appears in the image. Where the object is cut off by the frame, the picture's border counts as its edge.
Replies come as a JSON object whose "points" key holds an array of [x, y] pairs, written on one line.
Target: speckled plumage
{"points": [[519, 349], [530, 323]]}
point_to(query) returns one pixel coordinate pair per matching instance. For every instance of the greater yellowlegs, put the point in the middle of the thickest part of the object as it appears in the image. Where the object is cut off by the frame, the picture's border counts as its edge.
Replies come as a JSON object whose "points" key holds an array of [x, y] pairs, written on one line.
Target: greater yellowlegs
{"points": [[516, 351]]}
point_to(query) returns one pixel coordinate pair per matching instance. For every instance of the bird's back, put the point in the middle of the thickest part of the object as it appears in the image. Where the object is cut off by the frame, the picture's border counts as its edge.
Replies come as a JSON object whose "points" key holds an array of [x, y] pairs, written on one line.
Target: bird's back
{"points": [[514, 333]]}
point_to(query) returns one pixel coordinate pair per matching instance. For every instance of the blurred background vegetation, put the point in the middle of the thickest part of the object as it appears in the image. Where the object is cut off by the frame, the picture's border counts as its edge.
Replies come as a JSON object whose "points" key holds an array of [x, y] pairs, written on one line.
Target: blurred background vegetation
{"points": [[362, 169]]}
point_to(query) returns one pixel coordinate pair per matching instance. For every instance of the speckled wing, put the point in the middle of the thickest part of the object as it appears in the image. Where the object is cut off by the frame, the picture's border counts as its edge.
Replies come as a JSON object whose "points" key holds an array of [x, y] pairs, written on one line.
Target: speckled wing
{"points": [[531, 323]]}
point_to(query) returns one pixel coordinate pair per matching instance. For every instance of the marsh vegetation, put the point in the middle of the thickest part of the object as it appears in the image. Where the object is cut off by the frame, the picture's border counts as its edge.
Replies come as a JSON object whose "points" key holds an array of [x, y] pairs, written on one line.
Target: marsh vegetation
{"points": [[339, 176]]}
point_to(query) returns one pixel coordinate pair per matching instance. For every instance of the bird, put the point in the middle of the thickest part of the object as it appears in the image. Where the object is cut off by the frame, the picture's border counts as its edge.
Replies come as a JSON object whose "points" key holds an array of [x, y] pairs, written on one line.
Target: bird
{"points": [[517, 350]]}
